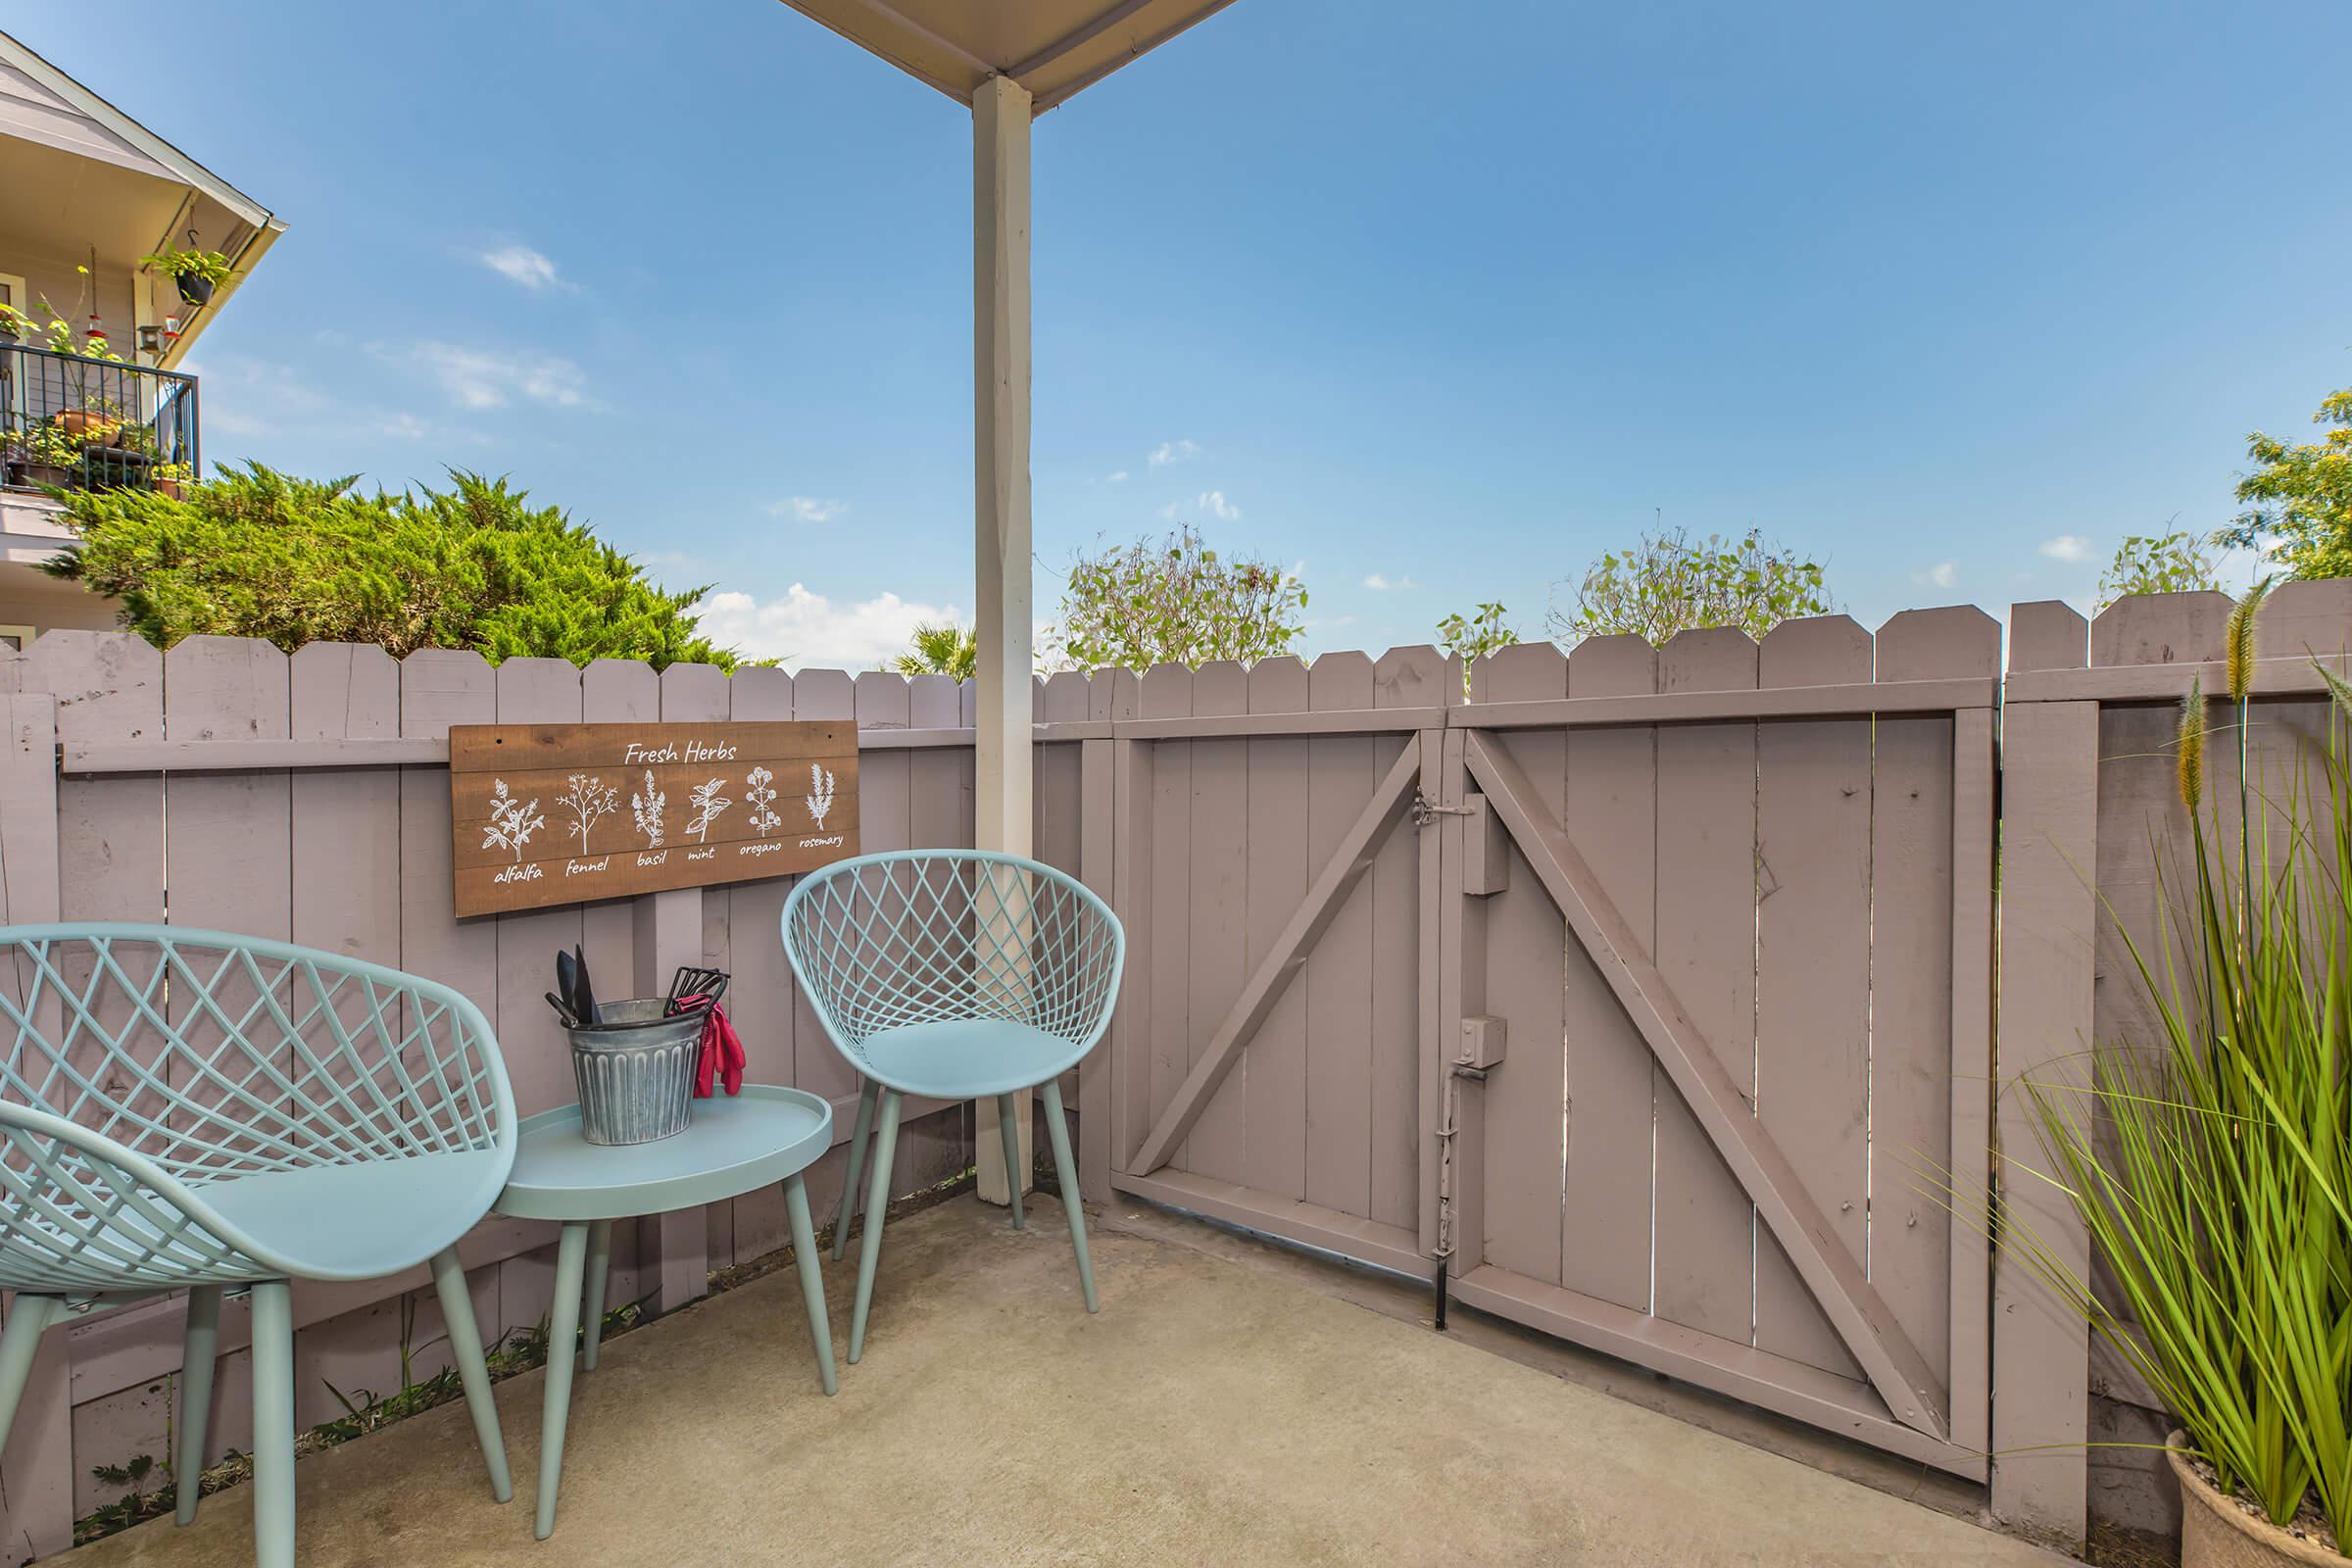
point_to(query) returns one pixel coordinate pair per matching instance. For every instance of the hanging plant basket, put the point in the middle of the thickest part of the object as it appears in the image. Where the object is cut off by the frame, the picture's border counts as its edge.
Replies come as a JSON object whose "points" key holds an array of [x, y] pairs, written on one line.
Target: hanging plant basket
{"points": [[196, 272]]}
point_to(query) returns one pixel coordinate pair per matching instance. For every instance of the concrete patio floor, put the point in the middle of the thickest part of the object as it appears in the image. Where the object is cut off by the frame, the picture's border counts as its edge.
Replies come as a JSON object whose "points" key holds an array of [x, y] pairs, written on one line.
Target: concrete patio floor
{"points": [[1213, 1412]]}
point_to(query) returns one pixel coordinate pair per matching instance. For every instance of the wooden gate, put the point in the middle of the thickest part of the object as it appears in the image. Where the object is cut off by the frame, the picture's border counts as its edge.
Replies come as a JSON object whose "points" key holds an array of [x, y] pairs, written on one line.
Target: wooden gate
{"points": [[1267, 1059], [1649, 990]]}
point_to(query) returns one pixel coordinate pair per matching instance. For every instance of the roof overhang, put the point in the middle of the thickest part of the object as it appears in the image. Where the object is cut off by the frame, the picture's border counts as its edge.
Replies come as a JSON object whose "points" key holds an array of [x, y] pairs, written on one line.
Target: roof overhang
{"points": [[136, 147], [79, 167], [1055, 49]]}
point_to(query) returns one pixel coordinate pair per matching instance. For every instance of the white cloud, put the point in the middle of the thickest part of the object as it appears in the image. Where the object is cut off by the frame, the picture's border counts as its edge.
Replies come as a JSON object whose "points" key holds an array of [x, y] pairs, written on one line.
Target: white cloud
{"points": [[1119, 478], [809, 631], [1946, 572], [483, 378], [229, 421], [2067, 546], [255, 401], [808, 509], [1207, 504], [1169, 452], [523, 264], [1380, 585]]}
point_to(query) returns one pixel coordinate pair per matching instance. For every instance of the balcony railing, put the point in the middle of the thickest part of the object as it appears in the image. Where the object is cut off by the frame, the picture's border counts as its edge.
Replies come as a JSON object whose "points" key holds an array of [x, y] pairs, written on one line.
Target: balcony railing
{"points": [[72, 422]]}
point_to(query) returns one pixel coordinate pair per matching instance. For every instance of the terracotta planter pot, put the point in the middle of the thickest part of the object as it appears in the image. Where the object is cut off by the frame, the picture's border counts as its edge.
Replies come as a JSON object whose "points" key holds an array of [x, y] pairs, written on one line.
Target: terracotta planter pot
{"points": [[2216, 1532], [48, 475], [167, 488], [84, 422]]}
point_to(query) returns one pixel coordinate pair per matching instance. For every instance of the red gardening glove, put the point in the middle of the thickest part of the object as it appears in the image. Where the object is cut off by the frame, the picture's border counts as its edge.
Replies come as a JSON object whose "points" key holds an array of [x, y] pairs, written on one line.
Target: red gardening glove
{"points": [[722, 1058]]}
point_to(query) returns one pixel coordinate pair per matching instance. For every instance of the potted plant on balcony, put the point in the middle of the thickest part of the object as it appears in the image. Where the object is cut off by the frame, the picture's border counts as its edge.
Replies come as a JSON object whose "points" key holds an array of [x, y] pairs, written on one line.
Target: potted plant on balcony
{"points": [[46, 455], [171, 479], [197, 273], [98, 423], [2210, 1159]]}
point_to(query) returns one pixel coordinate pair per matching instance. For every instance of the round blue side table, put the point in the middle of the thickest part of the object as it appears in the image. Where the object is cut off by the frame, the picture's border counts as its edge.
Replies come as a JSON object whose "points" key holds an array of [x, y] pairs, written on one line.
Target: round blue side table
{"points": [[735, 1145]]}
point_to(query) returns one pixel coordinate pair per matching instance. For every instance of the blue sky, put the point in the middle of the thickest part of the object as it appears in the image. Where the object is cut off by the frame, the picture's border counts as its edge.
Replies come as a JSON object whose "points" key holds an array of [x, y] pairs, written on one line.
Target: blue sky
{"points": [[1952, 297]]}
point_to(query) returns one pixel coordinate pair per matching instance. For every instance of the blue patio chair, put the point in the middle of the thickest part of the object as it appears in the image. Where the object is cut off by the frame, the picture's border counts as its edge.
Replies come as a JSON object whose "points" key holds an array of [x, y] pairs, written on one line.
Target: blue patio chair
{"points": [[952, 974], [183, 1109]]}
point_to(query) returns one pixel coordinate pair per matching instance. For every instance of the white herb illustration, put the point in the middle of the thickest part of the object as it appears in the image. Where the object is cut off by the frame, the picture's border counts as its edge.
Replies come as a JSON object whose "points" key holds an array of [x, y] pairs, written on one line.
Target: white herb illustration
{"points": [[588, 799], [708, 806], [760, 797], [512, 822], [820, 795], [647, 809]]}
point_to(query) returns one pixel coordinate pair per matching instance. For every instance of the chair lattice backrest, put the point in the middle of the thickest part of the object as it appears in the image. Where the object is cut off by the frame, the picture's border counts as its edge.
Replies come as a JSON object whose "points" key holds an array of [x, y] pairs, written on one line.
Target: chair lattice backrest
{"points": [[143, 1063], [886, 940]]}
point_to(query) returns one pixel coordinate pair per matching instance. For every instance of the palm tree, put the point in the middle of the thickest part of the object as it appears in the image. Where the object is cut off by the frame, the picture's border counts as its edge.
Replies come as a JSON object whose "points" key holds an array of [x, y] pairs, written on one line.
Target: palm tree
{"points": [[943, 650]]}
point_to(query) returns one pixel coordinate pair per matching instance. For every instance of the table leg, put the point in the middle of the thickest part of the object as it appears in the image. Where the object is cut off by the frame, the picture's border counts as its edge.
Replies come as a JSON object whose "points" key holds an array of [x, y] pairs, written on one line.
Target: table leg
{"points": [[600, 1270], [555, 1406], [813, 1279]]}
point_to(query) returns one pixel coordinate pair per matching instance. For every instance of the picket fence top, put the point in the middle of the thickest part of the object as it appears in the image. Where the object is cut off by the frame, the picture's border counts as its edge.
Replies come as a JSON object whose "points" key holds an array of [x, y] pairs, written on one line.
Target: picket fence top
{"points": [[396, 713]]}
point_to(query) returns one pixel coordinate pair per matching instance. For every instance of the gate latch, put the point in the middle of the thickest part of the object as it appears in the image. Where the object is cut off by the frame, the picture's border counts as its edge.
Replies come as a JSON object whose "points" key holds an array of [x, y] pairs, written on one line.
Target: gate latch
{"points": [[1426, 809]]}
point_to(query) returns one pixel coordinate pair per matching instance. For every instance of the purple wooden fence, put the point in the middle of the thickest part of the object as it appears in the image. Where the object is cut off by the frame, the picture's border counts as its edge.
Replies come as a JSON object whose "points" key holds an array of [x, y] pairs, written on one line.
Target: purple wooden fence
{"points": [[1647, 992], [129, 794]]}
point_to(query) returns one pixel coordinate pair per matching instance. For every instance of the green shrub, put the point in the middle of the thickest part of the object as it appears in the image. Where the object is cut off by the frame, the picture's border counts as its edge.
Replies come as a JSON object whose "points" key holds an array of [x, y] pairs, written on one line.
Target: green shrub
{"points": [[259, 553], [1174, 601], [2159, 563], [1669, 583]]}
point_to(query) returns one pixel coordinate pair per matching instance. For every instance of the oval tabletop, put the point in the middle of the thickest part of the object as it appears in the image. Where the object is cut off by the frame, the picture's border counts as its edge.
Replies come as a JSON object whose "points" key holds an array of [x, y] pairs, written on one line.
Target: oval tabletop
{"points": [[734, 1145]]}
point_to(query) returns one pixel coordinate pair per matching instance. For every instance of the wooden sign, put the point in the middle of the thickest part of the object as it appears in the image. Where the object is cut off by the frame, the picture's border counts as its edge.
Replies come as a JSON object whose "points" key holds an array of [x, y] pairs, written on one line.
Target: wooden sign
{"points": [[563, 813]]}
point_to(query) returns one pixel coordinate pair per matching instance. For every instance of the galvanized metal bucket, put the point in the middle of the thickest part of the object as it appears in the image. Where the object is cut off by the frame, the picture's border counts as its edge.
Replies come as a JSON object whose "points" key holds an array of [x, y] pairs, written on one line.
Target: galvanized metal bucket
{"points": [[636, 1081]]}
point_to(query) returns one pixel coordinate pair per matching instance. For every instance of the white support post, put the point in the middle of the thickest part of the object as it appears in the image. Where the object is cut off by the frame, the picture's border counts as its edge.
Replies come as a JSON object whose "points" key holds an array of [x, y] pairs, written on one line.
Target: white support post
{"points": [[1001, 118]]}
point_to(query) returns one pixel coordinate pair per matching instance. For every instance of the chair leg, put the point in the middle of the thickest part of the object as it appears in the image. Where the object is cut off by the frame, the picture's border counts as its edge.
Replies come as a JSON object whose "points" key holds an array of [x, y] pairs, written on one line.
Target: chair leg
{"points": [[27, 1317], [466, 1347], [1065, 1169], [200, 1351], [600, 1272], [813, 1279], [866, 1090], [877, 1205], [554, 1402], [1008, 1128], [273, 1424]]}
